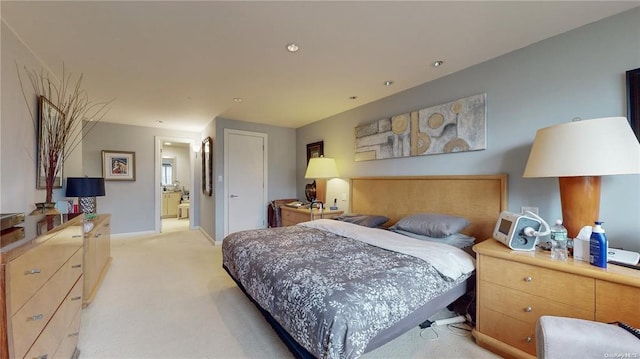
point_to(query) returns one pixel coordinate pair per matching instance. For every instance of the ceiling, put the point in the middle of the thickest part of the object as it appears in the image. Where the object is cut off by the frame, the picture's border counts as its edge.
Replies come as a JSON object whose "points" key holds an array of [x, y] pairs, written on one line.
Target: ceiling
{"points": [[178, 65]]}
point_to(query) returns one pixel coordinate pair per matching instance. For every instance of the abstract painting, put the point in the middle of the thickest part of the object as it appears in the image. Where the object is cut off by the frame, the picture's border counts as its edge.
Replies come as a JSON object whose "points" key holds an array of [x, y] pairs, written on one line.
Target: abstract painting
{"points": [[456, 126]]}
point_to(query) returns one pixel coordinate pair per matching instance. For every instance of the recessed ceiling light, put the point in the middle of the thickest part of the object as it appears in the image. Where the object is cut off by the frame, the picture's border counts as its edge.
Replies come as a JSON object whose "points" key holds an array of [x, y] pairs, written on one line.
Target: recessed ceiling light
{"points": [[237, 99], [388, 83], [437, 63], [292, 47]]}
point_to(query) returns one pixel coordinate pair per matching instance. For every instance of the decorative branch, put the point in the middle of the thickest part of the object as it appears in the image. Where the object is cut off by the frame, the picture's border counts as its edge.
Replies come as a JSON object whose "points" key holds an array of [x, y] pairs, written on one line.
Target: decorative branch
{"points": [[62, 131]]}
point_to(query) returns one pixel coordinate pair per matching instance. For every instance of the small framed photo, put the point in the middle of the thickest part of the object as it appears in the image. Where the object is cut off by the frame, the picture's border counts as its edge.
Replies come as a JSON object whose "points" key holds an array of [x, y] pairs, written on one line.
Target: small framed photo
{"points": [[118, 165], [315, 149]]}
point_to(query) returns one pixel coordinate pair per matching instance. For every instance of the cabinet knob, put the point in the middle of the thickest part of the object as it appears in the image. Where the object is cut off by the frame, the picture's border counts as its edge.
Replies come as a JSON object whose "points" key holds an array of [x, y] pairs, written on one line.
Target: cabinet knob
{"points": [[528, 279], [528, 309], [528, 339]]}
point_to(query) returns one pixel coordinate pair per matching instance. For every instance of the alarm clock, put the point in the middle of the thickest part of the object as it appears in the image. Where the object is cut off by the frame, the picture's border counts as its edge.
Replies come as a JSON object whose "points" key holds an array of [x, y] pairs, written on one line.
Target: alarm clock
{"points": [[518, 232]]}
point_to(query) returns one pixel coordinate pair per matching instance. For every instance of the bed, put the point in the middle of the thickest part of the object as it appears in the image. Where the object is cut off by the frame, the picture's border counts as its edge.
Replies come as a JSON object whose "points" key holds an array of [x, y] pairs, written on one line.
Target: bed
{"points": [[333, 289]]}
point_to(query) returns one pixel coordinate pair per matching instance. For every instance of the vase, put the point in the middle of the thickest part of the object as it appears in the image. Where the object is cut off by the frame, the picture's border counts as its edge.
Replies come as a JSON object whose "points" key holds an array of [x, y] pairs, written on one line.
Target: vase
{"points": [[45, 208]]}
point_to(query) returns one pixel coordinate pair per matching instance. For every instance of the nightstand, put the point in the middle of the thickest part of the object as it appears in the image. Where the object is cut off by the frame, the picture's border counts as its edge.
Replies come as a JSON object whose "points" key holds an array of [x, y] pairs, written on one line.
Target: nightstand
{"points": [[291, 216], [515, 288]]}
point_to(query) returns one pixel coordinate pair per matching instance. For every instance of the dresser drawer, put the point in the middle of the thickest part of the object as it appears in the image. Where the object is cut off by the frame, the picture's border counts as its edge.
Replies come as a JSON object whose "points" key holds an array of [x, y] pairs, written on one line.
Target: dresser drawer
{"points": [[617, 302], [510, 331], [526, 307], [28, 272], [54, 333], [559, 286], [70, 341], [290, 218], [28, 322]]}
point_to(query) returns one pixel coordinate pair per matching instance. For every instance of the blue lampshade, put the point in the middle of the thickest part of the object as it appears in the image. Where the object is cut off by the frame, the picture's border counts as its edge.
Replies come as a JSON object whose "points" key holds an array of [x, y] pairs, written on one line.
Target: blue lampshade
{"points": [[85, 186]]}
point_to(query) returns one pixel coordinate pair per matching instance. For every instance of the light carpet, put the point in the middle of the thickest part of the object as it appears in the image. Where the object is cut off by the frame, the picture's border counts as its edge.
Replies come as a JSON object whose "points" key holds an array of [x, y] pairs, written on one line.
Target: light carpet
{"points": [[167, 296]]}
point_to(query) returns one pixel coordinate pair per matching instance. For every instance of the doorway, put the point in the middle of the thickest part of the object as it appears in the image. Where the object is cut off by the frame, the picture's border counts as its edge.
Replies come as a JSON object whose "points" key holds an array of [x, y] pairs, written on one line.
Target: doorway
{"points": [[245, 171], [174, 184]]}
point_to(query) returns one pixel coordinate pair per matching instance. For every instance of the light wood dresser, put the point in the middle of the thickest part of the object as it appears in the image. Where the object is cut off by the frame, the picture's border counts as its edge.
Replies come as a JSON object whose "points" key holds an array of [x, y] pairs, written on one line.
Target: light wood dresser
{"points": [[292, 216], [97, 254], [41, 288], [515, 288]]}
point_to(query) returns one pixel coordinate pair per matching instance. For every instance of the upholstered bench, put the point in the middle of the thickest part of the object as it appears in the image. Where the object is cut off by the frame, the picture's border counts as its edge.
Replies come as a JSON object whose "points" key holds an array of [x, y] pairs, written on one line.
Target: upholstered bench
{"points": [[183, 210]]}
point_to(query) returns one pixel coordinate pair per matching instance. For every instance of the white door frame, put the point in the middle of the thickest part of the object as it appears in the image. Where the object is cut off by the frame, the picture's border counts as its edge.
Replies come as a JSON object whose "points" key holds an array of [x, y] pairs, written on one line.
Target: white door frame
{"points": [[265, 160], [158, 176]]}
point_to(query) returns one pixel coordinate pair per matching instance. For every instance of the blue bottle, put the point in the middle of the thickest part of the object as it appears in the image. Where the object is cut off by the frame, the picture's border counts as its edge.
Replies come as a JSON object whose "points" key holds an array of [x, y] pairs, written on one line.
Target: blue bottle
{"points": [[598, 246]]}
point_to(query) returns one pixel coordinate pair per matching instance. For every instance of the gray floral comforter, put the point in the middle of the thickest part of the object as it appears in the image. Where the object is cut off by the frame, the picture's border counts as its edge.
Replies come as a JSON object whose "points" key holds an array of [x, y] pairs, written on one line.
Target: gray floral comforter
{"points": [[332, 294]]}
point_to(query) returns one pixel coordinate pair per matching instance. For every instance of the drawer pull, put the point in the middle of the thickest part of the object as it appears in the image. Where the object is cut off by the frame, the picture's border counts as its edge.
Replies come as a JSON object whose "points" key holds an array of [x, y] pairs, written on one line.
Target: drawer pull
{"points": [[43, 356], [528, 279], [76, 266], [98, 235], [528, 309], [32, 271], [73, 334], [77, 298], [529, 339], [35, 317], [77, 236]]}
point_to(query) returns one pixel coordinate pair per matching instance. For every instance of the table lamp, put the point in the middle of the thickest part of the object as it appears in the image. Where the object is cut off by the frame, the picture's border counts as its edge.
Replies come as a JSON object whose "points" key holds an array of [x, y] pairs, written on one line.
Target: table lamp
{"points": [[86, 189], [319, 168], [579, 153]]}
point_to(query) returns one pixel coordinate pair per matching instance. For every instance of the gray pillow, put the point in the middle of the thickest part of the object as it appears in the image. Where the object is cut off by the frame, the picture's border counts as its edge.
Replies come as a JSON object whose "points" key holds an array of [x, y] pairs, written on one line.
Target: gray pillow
{"points": [[458, 240], [367, 220], [431, 224]]}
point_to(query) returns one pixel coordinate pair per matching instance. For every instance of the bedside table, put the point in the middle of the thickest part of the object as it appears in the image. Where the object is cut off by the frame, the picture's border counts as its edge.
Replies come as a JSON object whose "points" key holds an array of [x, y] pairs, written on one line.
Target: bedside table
{"points": [[292, 216], [515, 288]]}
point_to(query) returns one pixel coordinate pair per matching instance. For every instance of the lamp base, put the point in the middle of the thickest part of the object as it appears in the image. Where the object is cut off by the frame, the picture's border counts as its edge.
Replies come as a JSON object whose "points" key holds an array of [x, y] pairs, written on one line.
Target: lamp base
{"points": [[87, 204], [580, 198]]}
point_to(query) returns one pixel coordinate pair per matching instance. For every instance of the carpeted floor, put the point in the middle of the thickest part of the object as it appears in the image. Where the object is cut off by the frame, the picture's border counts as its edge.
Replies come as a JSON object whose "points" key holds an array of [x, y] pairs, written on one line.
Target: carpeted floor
{"points": [[167, 296]]}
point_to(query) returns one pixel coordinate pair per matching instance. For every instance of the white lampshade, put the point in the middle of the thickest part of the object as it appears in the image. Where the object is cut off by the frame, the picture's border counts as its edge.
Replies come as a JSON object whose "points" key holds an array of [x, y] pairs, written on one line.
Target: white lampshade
{"points": [[321, 167], [596, 147]]}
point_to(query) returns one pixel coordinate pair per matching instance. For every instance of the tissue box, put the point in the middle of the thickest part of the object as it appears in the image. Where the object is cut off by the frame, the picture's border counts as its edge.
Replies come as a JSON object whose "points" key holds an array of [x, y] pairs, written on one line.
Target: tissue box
{"points": [[581, 249]]}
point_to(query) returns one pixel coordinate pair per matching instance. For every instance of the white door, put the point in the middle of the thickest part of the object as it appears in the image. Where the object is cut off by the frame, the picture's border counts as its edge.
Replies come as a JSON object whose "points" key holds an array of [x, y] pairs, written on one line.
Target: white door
{"points": [[246, 180]]}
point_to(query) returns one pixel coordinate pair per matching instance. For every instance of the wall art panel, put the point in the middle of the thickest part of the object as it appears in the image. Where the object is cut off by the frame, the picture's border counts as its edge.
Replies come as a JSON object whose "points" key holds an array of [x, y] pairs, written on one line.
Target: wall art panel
{"points": [[455, 126]]}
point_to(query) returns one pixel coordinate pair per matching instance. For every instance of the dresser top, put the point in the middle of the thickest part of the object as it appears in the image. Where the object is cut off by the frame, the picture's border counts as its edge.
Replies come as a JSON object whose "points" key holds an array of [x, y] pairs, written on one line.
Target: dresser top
{"points": [[33, 227], [613, 273]]}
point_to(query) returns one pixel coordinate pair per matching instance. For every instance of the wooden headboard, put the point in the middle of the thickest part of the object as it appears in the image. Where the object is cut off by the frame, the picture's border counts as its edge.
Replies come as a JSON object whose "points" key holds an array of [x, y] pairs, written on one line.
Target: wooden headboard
{"points": [[478, 198]]}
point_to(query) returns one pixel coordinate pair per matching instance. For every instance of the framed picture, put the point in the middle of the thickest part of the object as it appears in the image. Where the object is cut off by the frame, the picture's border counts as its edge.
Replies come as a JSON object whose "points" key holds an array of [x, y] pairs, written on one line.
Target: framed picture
{"points": [[207, 166], [315, 149], [50, 119], [118, 165], [633, 100]]}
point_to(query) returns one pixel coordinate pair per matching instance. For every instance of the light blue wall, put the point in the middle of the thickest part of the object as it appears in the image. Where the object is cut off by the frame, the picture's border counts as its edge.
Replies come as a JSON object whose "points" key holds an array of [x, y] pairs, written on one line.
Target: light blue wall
{"points": [[281, 166], [18, 154], [579, 73], [132, 204]]}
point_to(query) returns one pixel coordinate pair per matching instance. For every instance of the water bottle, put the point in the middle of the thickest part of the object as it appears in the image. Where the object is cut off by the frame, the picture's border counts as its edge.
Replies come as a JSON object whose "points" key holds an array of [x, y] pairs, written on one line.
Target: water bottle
{"points": [[558, 238], [598, 246]]}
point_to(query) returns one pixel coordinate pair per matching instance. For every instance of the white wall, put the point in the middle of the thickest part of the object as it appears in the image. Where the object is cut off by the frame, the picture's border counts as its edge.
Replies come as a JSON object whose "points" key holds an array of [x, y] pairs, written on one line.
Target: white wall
{"points": [[579, 73]]}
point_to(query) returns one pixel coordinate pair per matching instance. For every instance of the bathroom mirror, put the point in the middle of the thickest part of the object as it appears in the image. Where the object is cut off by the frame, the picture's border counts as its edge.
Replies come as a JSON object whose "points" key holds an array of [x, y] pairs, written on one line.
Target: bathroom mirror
{"points": [[207, 166], [168, 170]]}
